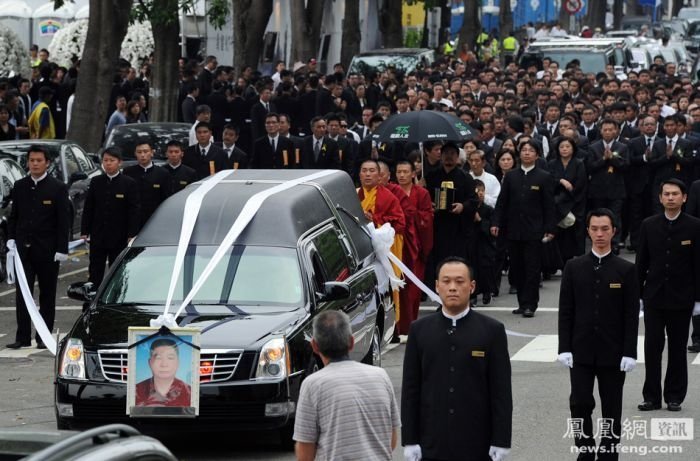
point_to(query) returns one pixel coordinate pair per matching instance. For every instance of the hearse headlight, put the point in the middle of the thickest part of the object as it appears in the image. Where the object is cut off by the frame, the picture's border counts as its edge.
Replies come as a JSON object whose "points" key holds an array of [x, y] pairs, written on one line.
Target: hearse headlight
{"points": [[274, 360], [72, 360]]}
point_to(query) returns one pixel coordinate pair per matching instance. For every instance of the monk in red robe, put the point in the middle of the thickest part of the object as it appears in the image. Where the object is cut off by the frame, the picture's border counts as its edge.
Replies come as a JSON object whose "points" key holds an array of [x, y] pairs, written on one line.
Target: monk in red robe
{"points": [[422, 226], [381, 206]]}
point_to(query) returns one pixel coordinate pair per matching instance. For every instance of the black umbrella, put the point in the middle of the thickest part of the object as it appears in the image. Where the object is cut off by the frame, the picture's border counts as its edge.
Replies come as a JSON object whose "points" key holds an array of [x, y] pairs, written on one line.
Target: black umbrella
{"points": [[422, 126]]}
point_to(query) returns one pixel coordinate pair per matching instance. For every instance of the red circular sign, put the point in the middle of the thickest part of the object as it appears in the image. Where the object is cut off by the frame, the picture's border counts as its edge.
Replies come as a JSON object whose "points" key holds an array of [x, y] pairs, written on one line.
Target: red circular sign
{"points": [[573, 6]]}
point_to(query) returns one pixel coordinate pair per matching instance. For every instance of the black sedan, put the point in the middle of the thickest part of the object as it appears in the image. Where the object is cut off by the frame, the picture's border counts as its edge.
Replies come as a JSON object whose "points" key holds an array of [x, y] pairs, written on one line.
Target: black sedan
{"points": [[10, 171], [71, 164], [159, 134]]}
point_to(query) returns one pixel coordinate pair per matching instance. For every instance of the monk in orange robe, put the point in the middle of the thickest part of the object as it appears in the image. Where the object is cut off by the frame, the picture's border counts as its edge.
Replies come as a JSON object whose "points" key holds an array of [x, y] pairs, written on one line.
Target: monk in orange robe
{"points": [[381, 206]]}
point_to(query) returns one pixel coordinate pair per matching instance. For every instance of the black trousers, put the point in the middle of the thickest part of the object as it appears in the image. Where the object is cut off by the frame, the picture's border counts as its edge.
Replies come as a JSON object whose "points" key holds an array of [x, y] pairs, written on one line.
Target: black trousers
{"points": [[614, 205], [638, 210], [581, 401], [525, 264], [695, 337], [36, 268], [98, 258], [676, 325]]}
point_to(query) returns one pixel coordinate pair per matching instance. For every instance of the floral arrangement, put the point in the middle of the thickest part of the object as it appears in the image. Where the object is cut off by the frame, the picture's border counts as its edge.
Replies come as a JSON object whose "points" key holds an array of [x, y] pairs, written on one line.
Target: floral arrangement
{"points": [[70, 41], [14, 56]]}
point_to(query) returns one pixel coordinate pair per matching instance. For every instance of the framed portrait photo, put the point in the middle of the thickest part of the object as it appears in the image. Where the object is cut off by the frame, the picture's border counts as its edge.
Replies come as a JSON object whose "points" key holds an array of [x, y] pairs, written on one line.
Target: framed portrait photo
{"points": [[163, 377]]}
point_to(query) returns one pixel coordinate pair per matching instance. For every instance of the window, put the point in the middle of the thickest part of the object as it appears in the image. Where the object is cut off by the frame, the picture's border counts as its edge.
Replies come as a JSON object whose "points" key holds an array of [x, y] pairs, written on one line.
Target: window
{"points": [[83, 161], [72, 165], [247, 275], [332, 254]]}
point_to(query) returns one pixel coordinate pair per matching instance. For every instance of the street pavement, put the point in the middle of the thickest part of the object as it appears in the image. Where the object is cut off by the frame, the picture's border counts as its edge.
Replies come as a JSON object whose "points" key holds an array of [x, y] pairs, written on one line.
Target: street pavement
{"points": [[540, 388]]}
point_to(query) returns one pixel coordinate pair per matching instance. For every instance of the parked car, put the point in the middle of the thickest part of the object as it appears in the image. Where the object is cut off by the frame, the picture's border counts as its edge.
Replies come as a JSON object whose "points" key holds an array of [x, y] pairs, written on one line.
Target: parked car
{"points": [[10, 171], [115, 442], [404, 60], [159, 134], [71, 164], [305, 251]]}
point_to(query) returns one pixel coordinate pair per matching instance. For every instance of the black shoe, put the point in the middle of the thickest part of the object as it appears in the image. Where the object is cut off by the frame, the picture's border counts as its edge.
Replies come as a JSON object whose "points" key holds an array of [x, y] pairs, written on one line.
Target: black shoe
{"points": [[40, 345], [648, 406], [18, 345], [518, 311], [486, 299], [673, 406], [495, 294], [512, 290], [694, 348], [395, 339], [528, 313]]}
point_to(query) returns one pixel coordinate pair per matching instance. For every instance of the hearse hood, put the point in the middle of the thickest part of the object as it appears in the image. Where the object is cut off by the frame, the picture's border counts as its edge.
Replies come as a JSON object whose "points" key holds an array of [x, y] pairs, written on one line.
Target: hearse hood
{"points": [[222, 327]]}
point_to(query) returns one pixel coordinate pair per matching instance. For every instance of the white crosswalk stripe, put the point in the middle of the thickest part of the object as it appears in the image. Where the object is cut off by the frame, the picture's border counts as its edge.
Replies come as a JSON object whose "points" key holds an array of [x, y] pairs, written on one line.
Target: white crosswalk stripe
{"points": [[697, 360], [24, 352], [544, 348]]}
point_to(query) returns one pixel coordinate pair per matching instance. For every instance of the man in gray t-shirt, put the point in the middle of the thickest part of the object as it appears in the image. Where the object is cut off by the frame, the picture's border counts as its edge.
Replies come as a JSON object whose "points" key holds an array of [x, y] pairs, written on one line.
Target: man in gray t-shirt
{"points": [[347, 410]]}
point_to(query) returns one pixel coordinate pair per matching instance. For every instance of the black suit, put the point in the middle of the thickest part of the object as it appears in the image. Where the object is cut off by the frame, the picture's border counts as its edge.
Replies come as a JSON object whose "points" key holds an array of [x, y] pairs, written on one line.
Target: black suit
{"points": [[629, 132], [525, 212], [571, 241], [606, 187], [154, 188], [235, 157], [324, 102], [39, 222], [598, 322], [544, 130], [668, 265], [327, 157], [593, 134], [680, 165], [456, 392], [637, 183], [258, 112], [180, 177], [265, 157], [110, 219], [348, 150], [202, 164], [189, 110]]}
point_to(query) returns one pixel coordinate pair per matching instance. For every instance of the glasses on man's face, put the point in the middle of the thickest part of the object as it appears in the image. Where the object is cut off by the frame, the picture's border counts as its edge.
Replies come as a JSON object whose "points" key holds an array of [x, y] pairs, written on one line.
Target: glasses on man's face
{"points": [[343, 126]]}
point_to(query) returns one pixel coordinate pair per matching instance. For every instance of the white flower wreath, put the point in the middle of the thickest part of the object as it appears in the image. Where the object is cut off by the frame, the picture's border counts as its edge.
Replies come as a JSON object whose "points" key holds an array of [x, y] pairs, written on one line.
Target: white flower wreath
{"points": [[14, 56], [70, 41]]}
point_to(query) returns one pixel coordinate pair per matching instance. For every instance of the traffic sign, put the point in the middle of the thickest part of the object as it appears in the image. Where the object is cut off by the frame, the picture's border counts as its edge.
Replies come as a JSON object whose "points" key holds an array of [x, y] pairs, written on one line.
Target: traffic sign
{"points": [[573, 6]]}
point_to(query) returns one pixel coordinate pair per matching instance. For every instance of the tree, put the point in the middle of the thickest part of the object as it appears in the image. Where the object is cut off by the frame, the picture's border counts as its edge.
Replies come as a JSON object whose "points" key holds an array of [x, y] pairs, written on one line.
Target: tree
{"points": [[306, 28], [249, 22], [351, 32], [595, 16], [505, 19], [106, 29], [471, 26], [390, 23]]}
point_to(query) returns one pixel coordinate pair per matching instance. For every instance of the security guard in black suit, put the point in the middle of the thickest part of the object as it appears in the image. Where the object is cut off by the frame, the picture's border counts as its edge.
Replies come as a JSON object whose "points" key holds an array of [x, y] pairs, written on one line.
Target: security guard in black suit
{"points": [[672, 157], [38, 229], [668, 264], [525, 211], [606, 165], [318, 151], [274, 151], [110, 215], [181, 175], [204, 157], [598, 322], [153, 181], [235, 156], [637, 178], [456, 401]]}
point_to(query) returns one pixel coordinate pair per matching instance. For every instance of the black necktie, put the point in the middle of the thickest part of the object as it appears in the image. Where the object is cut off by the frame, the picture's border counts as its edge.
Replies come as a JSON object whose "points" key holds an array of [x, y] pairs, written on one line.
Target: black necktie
{"points": [[649, 143], [203, 152]]}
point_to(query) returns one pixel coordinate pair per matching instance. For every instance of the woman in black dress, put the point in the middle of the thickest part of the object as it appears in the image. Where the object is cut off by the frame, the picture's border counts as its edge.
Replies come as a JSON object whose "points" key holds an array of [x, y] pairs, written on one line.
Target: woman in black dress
{"points": [[7, 131], [569, 173]]}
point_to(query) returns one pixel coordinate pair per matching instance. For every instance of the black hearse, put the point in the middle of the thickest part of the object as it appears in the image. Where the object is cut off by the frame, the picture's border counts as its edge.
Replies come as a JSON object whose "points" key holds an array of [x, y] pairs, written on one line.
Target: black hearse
{"points": [[304, 252]]}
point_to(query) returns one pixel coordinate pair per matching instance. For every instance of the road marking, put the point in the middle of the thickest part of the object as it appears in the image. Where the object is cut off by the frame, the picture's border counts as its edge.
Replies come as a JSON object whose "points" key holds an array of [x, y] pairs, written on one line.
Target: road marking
{"points": [[62, 276], [544, 348], [697, 360], [24, 352]]}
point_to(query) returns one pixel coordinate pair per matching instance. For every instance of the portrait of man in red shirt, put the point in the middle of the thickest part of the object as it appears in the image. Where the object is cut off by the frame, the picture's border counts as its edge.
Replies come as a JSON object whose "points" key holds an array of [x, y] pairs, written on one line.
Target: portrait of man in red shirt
{"points": [[163, 388]]}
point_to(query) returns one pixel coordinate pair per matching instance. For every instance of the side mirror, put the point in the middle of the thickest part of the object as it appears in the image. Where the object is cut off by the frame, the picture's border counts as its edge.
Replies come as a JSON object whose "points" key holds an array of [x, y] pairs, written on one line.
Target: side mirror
{"points": [[335, 291], [82, 291], [78, 176]]}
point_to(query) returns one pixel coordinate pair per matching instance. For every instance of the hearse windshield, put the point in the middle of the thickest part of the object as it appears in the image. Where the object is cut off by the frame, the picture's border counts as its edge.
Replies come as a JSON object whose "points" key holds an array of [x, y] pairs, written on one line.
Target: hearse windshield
{"points": [[247, 275], [590, 61]]}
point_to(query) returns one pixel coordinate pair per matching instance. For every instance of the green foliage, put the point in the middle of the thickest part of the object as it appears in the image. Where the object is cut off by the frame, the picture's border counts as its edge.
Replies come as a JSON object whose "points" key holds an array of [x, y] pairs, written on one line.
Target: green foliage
{"points": [[166, 11], [413, 38]]}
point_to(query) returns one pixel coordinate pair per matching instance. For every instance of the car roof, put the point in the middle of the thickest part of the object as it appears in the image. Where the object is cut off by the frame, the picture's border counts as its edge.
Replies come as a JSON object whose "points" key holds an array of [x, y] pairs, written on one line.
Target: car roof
{"points": [[281, 220]]}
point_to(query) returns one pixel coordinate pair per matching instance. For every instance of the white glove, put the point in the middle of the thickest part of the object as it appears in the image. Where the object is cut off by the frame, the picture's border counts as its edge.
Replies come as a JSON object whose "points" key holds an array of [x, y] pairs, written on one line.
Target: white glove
{"points": [[641, 305], [412, 453], [11, 245], [566, 359], [696, 307], [60, 257], [498, 453], [627, 364]]}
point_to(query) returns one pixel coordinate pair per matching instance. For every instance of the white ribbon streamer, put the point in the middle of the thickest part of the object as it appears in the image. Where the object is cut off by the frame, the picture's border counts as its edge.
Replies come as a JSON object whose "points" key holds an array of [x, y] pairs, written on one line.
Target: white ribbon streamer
{"points": [[189, 219], [10, 266], [37, 320], [246, 215], [72, 245], [382, 240]]}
